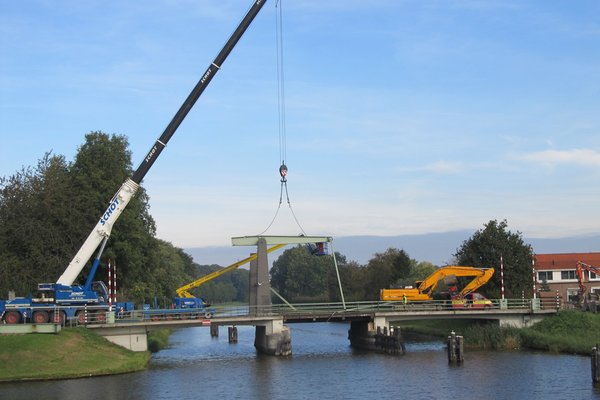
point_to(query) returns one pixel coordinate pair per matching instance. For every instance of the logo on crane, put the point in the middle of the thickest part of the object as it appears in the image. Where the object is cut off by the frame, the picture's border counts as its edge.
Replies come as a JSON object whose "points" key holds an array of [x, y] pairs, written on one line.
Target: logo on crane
{"points": [[112, 207]]}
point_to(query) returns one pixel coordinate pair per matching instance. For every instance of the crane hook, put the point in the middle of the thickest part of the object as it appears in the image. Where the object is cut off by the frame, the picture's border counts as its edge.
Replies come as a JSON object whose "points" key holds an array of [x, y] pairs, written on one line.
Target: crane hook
{"points": [[283, 172]]}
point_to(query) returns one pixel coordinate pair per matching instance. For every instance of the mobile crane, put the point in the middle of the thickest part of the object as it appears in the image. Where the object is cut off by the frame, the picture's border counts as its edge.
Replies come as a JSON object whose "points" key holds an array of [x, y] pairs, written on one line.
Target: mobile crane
{"points": [[69, 301], [587, 301], [424, 290]]}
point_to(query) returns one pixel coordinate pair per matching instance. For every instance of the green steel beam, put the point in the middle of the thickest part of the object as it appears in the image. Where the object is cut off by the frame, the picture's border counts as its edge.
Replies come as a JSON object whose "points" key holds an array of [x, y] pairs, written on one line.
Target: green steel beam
{"points": [[273, 240]]}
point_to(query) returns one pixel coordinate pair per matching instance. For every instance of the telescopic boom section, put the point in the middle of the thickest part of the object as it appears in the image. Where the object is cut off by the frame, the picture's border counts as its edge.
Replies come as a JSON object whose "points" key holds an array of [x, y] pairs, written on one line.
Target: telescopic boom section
{"points": [[131, 186]]}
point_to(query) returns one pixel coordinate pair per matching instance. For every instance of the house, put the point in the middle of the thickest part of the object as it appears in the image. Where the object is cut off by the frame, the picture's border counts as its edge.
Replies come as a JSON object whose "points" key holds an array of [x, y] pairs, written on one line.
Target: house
{"points": [[557, 274]]}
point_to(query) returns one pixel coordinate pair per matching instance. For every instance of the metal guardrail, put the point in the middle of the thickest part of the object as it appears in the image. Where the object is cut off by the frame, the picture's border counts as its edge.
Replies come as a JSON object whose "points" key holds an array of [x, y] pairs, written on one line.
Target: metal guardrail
{"points": [[307, 309]]}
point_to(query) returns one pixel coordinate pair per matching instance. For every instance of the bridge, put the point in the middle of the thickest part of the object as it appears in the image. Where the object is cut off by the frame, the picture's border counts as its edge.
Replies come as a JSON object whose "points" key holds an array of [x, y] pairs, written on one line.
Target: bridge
{"points": [[366, 319]]}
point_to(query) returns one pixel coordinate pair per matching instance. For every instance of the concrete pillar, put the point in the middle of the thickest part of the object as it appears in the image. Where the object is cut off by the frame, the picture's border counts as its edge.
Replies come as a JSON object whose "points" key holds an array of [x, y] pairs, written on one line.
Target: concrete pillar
{"points": [[273, 338], [376, 335], [260, 286]]}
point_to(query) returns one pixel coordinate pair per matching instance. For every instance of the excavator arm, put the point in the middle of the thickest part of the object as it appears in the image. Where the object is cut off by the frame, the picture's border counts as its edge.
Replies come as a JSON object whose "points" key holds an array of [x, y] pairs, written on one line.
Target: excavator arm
{"points": [[426, 288], [581, 267], [479, 281]]}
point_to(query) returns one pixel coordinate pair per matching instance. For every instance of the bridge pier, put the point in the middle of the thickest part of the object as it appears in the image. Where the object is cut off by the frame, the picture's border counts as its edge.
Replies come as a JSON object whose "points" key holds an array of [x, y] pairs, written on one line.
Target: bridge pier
{"points": [[375, 335], [273, 338]]}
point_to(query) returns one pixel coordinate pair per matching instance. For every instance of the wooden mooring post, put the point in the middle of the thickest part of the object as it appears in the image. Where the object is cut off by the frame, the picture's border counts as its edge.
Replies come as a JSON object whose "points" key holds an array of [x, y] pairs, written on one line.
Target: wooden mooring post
{"points": [[596, 364], [455, 348], [214, 330], [232, 334]]}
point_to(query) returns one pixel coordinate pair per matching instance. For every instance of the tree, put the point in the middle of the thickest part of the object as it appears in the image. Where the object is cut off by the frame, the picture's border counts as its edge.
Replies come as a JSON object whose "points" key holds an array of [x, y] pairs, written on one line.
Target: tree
{"points": [[418, 272], [352, 276], [34, 217], [488, 246], [385, 269], [300, 276]]}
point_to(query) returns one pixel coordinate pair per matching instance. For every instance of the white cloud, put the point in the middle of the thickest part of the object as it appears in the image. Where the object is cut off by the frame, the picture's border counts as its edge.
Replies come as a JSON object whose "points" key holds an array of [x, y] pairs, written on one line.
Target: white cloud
{"points": [[582, 157]]}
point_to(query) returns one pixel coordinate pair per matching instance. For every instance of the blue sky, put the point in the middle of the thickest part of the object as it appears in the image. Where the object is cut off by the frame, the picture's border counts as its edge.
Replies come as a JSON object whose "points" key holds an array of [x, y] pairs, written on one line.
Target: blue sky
{"points": [[402, 117]]}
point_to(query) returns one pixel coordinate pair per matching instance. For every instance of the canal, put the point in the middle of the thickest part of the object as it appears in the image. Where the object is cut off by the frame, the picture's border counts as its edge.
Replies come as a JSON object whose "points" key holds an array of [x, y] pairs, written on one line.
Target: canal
{"points": [[323, 366]]}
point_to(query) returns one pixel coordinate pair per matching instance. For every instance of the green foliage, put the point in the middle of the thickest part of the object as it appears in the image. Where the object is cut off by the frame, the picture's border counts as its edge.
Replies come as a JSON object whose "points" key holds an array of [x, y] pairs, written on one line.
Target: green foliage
{"points": [[300, 276], [485, 249], [385, 269], [573, 332], [47, 212], [158, 339], [567, 331]]}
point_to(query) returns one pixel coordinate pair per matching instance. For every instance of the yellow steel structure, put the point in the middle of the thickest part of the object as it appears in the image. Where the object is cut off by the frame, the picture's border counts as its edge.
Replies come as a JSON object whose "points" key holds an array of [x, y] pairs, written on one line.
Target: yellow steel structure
{"points": [[184, 290], [425, 288]]}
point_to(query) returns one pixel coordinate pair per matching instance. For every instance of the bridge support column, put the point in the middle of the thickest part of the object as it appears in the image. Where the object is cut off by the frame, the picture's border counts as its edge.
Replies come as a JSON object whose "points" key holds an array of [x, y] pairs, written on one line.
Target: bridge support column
{"points": [[375, 335], [260, 286], [273, 338]]}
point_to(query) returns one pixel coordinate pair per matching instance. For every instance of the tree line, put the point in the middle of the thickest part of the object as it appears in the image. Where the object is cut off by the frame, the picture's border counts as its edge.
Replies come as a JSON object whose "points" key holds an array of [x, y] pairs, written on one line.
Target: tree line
{"points": [[47, 211]]}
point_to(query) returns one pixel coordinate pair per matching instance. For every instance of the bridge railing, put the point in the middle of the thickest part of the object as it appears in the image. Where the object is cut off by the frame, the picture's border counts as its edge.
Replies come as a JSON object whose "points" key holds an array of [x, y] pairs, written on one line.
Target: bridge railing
{"points": [[335, 308]]}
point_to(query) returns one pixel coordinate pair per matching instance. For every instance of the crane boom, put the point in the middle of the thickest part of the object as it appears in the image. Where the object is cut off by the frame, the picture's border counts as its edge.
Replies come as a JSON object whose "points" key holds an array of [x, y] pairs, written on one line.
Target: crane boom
{"points": [[130, 187]]}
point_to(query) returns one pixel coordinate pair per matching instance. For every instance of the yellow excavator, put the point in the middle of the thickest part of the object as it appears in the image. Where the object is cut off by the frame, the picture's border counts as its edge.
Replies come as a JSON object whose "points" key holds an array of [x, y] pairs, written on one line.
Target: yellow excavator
{"points": [[424, 290]]}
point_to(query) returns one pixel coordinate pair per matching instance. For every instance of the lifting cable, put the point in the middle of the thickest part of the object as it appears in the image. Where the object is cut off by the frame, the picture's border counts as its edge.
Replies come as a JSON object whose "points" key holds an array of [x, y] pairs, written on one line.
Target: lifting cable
{"points": [[281, 120]]}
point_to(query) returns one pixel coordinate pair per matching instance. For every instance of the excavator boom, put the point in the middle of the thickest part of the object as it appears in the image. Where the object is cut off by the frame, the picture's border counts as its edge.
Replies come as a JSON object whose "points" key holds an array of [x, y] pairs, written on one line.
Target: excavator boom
{"points": [[425, 289]]}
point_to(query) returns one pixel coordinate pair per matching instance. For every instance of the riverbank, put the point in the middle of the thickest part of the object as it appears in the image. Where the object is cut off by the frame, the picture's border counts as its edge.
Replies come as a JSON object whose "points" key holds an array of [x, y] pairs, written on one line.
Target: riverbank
{"points": [[569, 332], [72, 353], [75, 353]]}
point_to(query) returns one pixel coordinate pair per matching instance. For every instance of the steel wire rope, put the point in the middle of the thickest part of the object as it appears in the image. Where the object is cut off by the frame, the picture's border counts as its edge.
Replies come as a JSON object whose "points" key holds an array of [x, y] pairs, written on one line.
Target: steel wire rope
{"points": [[281, 119]]}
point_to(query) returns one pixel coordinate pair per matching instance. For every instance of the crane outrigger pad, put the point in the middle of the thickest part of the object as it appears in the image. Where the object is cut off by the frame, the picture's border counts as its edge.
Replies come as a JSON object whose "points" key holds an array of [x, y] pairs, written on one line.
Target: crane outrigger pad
{"points": [[273, 240]]}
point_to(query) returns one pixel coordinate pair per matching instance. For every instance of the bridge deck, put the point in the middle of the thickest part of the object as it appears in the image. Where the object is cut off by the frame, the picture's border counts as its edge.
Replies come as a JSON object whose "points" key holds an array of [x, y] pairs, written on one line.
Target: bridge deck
{"points": [[323, 312]]}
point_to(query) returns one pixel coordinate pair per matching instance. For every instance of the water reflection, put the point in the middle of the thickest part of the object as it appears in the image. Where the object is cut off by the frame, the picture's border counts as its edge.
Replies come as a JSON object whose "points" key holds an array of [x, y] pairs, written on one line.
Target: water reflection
{"points": [[324, 366]]}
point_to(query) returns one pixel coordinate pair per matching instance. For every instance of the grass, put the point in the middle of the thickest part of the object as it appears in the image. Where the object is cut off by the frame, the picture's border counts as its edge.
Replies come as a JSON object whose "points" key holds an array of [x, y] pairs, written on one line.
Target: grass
{"points": [[158, 339], [72, 353], [572, 332]]}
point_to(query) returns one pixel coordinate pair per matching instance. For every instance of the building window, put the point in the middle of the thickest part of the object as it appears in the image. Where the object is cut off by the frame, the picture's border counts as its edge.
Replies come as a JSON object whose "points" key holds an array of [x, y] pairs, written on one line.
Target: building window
{"points": [[572, 295], [593, 276], [565, 275], [544, 276]]}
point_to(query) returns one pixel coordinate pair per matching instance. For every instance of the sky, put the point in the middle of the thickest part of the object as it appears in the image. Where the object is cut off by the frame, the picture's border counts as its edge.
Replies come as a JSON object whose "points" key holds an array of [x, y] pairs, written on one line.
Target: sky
{"points": [[401, 117]]}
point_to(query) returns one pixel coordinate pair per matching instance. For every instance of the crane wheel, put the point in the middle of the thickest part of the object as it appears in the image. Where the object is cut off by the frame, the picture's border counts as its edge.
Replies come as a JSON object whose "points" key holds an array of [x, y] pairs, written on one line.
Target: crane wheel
{"points": [[81, 317], [59, 318], [40, 317], [12, 317]]}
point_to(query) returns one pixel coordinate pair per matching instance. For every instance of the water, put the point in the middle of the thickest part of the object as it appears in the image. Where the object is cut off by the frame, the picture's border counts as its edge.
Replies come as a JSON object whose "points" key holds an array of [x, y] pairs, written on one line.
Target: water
{"points": [[324, 367]]}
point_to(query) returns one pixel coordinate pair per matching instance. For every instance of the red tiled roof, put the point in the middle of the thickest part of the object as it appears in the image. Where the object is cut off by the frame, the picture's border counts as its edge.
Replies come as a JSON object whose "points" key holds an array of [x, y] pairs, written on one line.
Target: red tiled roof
{"points": [[565, 260]]}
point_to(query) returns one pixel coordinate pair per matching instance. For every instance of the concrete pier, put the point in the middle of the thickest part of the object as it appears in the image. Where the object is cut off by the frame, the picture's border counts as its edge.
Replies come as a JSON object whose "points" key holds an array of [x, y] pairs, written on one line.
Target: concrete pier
{"points": [[376, 335], [273, 338]]}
